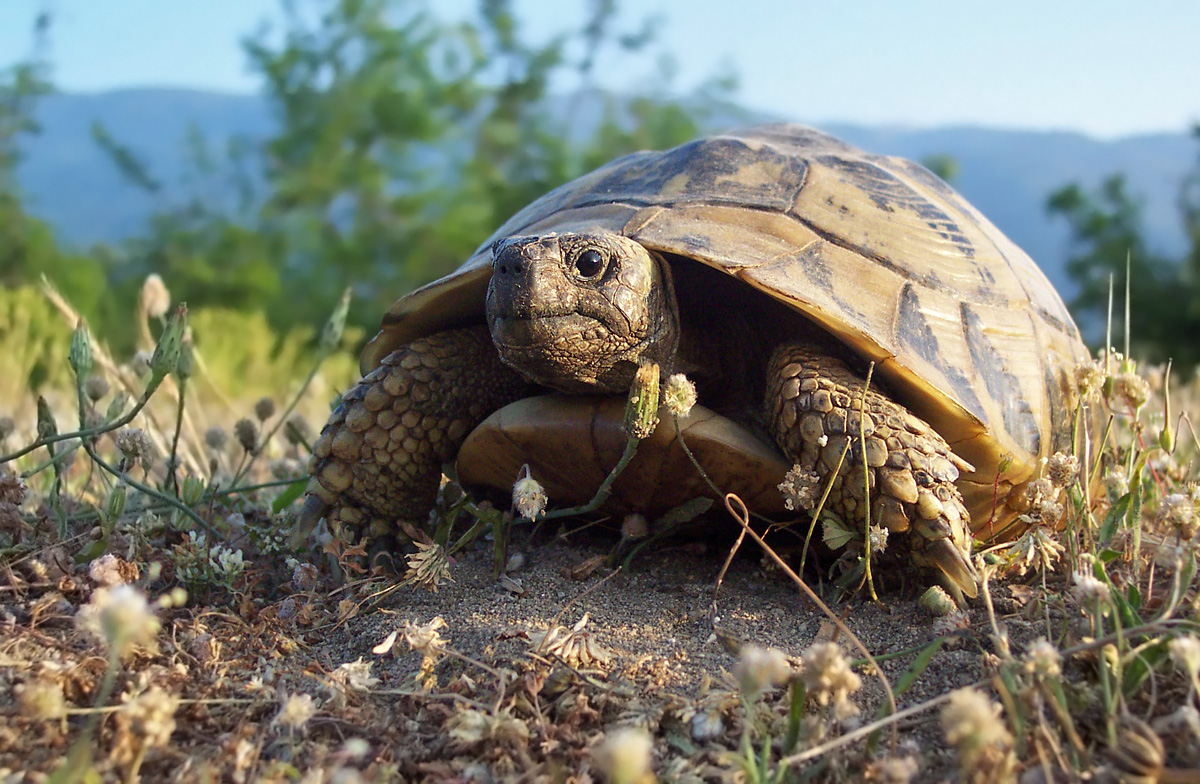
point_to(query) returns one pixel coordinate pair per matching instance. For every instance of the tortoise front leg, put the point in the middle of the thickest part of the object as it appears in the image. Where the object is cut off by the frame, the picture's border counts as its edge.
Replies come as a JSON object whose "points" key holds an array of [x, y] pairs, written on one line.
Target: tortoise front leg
{"points": [[379, 458], [812, 407]]}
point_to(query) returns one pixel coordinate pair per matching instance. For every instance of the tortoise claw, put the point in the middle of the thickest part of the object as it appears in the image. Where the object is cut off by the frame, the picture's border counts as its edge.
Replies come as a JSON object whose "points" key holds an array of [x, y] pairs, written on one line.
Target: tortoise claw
{"points": [[310, 514], [954, 565]]}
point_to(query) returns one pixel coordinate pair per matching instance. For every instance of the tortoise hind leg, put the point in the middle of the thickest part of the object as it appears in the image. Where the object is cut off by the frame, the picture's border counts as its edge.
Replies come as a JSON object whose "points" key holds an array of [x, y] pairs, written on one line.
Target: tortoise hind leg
{"points": [[379, 458], [812, 407]]}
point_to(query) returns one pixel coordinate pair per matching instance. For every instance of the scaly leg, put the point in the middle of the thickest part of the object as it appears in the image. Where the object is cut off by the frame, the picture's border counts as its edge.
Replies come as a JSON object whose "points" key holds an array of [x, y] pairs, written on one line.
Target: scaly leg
{"points": [[813, 404], [379, 459]]}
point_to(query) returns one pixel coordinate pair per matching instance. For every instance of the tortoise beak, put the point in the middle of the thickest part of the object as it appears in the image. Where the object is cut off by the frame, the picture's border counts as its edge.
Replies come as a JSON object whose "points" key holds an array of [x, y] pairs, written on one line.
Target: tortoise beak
{"points": [[955, 566]]}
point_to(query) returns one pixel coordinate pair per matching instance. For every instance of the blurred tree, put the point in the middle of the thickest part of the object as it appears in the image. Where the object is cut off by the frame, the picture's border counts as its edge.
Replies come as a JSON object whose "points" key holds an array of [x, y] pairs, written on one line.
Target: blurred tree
{"points": [[943, 165], [27, 245], [401, 144], [1164, 293]]}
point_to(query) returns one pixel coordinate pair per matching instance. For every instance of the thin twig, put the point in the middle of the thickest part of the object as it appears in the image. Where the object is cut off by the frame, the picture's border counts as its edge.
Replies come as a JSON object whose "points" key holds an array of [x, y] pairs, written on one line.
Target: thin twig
{"points": [[744, 521]]}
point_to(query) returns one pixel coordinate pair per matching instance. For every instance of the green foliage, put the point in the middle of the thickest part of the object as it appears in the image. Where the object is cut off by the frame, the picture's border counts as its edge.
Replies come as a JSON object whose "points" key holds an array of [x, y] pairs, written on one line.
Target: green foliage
{"points": [[32, 336], [944, 166], [27, 245], [247, 359], [20, 88], [1164, 293], [401, 145]]}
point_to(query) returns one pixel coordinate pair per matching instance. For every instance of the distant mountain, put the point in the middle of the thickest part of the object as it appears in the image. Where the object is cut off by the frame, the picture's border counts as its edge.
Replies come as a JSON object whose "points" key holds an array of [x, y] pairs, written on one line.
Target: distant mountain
{"points": [[1007, 174]]}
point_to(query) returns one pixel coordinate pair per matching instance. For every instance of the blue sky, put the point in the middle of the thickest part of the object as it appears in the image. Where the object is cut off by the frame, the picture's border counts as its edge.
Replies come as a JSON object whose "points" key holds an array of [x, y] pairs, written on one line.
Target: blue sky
{"points": [[1102, 67]]}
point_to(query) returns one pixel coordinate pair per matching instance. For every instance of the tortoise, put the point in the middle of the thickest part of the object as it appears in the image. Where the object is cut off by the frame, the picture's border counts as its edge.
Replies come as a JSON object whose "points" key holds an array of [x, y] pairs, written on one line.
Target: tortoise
{"points": [[775, 266]]}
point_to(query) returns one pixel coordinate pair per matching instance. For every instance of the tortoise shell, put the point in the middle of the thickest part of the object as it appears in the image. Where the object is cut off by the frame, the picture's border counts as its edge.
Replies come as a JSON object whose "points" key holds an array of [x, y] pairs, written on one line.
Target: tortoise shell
{"points": [[964, 327]]}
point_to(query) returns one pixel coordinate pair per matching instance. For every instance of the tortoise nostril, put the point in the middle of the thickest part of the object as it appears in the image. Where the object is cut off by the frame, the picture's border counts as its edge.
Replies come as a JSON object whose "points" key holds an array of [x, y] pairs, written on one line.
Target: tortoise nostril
{"points": [[503, 270], [517, 268]]}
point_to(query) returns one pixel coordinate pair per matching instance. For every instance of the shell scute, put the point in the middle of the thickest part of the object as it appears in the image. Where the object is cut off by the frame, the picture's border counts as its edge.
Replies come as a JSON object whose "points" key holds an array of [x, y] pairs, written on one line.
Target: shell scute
{"points": [[875, 250]]}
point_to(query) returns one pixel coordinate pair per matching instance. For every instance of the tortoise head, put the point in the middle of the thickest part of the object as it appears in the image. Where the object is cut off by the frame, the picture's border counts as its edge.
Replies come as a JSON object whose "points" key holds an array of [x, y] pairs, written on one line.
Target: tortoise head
{"points": [[578, 312]]}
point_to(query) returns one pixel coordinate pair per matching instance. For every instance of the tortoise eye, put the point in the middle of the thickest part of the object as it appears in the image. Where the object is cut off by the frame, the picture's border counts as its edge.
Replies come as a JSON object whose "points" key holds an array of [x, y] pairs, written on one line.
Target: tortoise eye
{"points": [[589, 264]]}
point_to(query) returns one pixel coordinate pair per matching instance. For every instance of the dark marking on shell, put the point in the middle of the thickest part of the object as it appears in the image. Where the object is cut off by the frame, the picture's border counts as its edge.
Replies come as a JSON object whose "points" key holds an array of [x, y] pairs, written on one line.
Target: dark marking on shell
{"points": [[816, 267], [1002, 386], [889, 193], [715, 171], [915, 334], [1060, 399]]}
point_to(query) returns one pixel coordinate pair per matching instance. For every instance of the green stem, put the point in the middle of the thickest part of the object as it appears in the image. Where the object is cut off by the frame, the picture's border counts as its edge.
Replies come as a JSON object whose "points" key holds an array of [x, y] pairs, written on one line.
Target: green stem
{"points": [[605, 489], [88, 433], [291, 406], [172, 480], [146, 489]]}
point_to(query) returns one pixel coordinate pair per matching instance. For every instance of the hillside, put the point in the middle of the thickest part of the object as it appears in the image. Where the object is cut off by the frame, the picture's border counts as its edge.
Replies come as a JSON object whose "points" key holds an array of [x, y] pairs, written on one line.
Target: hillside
{"points": [[1006, 174]]}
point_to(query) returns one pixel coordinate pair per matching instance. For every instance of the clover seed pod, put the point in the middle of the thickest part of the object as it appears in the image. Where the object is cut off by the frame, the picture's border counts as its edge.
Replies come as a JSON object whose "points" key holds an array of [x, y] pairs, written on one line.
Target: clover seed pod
{"points": [[641, 412], [81, 351], [170, 345]]}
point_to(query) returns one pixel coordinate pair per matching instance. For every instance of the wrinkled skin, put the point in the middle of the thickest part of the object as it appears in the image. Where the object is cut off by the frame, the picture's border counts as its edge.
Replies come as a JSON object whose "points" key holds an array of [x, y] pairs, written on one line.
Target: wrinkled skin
{"points": [[577, 313]]}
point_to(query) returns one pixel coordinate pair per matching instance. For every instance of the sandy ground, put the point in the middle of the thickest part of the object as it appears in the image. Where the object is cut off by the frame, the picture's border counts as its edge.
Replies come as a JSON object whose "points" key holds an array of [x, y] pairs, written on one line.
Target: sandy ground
{"points": [[655, 620]]}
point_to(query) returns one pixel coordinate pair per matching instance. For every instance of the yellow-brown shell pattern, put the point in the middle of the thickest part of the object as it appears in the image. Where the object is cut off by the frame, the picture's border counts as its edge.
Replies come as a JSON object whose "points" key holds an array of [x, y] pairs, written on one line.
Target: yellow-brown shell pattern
{"points": [[876, 250]]}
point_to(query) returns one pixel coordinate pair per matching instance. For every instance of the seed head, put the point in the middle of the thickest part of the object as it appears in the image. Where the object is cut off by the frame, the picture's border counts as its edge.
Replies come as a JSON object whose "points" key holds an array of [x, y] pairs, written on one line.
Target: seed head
{"points": [[133, 444], [973, 725], [624, 755], [879, 539], [1088, 590], [529, 497], [1039, 490], [1062, 469], [140, 363], [679, 394], [951, 624], [1089, 379], [151, 715], [1043, 659], [95, 387], [1186, 653], [1126, 390], [428, 567], [800, 488], [893, 770], [828, 678], [1037, 549], [577, 646], [155, 299], [354, 676], [12, 489], [119, 616], [215, 438], [425, 637], [246, 433], [264, 409], [295, 712], [1139, 754], [707, 724], [761, 668], [42, 700], [1116, 482], [1177, 511]]}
